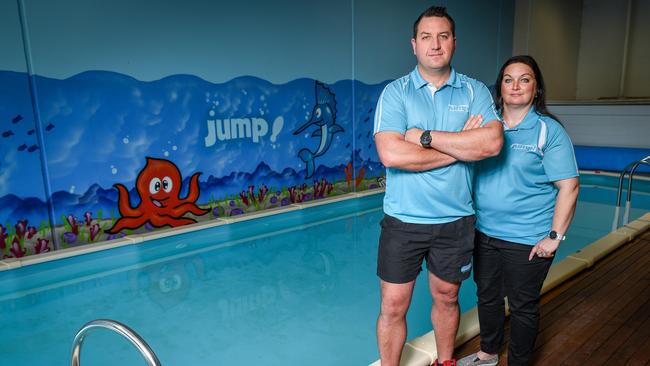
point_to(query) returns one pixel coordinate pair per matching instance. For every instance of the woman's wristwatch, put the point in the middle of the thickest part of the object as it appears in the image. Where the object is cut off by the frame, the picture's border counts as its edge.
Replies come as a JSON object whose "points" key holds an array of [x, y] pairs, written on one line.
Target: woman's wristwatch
{"points": [[554, 235]]}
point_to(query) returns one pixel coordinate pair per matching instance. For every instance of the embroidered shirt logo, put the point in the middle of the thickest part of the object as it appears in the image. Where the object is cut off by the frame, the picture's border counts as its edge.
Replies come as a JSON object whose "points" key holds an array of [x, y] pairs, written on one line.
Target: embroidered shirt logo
{"points": [[466, 268], [523, 147], [458, 108]]}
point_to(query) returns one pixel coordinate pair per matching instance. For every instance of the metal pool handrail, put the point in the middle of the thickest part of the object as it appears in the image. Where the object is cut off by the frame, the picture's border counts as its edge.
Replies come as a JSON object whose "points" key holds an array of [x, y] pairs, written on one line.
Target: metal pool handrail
{"points": [[631, 168], [119, 328]]}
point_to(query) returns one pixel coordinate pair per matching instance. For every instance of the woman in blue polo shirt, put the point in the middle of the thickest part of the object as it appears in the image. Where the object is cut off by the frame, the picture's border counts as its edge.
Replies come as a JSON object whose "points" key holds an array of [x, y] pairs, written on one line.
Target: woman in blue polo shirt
{"points": [[525, 199]]}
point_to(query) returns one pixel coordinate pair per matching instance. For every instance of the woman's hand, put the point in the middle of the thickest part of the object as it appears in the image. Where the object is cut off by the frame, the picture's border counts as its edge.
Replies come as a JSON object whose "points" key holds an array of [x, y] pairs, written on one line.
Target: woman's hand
{"points": [[544, 248]]}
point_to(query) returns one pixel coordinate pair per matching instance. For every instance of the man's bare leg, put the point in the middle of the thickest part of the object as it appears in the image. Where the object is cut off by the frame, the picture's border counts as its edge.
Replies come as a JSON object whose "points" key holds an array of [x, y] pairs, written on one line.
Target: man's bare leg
{"points": [[391, 324], [445, 315]]}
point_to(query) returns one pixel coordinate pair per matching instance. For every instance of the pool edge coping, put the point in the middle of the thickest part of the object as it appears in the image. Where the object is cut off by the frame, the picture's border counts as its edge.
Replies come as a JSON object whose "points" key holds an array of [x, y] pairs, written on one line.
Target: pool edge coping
{"points": [[14, 263], [422, 349]]}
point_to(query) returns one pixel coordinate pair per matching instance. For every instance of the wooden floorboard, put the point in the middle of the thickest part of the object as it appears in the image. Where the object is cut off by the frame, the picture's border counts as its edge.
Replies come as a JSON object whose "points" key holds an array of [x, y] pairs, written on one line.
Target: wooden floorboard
{"points": [[599, 317]]}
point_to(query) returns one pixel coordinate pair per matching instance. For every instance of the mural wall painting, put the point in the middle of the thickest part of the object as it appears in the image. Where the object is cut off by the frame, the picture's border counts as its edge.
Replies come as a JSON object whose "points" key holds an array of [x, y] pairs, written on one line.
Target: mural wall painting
{"points": [[127, 157]]}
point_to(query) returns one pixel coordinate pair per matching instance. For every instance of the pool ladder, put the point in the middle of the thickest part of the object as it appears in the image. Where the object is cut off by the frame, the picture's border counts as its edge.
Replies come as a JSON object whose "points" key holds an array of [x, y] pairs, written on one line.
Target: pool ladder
{"points": [[119, 328], [631, 168]]}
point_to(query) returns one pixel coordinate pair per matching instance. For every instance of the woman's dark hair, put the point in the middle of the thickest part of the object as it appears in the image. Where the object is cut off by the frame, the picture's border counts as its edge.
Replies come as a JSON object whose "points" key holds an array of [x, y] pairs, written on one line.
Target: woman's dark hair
{"points": [[540, 93]]}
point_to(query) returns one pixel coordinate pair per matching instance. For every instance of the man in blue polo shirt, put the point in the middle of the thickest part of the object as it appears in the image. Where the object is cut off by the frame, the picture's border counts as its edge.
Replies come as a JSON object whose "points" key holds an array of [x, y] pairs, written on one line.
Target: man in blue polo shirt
{"points": [[428, 202]]}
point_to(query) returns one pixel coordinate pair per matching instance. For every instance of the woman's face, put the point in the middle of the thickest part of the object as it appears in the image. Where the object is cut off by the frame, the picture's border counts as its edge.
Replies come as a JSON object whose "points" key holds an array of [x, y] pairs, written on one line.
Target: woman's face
{"points": [[518, 85]]}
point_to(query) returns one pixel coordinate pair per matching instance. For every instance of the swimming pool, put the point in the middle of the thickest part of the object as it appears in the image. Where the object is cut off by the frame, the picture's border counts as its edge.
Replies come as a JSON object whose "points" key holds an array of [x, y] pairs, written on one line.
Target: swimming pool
{"points": [[290, 289]]}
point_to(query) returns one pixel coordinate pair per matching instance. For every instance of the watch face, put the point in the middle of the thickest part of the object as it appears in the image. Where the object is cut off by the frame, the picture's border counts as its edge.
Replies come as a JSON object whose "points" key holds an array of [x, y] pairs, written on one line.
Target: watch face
{"points": [[425, 139], [552, 235]]}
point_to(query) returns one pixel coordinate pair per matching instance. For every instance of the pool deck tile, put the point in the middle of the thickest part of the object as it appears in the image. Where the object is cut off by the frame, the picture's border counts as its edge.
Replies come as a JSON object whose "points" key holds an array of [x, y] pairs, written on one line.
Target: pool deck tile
{"points": [[163, 233], [645, 217], [412, 356], [260, 214], [370, 192], [638, 225], [601, 247], [68, 252], [468, 327], [325, 201], [9, 263], [627, 232]]}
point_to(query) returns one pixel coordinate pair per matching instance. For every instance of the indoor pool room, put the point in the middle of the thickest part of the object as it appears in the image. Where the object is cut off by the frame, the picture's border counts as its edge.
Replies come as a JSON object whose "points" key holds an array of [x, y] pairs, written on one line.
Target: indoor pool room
{"points": [[199, 183]]}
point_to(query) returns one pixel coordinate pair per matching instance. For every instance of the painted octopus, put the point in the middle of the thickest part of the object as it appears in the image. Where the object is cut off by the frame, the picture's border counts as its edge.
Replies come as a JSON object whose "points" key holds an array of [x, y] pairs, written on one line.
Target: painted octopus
{"points": [[159, 186]]}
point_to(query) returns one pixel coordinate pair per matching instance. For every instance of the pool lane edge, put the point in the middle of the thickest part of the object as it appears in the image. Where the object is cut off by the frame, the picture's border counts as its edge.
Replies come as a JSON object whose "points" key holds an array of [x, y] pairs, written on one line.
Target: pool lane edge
{"points": [[421, 351], [13, 263]]}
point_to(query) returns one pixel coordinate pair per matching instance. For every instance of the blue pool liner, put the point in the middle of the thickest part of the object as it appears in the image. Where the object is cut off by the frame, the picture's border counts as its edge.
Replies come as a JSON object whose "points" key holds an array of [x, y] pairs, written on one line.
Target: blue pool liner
{"points": [[612, 159]]}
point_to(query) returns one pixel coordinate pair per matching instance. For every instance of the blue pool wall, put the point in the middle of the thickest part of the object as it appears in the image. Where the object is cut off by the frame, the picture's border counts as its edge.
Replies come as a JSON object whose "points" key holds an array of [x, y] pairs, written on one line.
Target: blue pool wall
{"points": [[613, 159]]}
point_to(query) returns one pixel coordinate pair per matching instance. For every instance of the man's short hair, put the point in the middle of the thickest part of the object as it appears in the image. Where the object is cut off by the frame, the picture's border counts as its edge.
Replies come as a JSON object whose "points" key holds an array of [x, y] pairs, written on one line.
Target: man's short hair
{"points": [[435, 11]]}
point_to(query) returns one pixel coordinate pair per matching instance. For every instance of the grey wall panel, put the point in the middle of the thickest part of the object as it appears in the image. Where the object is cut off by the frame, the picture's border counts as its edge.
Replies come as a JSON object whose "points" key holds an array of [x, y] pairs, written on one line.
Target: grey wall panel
{"points": [[606, 125]]}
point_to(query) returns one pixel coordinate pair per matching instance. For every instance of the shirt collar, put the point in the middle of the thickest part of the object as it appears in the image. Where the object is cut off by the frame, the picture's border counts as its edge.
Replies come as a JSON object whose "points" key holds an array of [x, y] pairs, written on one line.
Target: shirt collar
{"points": [[529, 121], [419, 82]]}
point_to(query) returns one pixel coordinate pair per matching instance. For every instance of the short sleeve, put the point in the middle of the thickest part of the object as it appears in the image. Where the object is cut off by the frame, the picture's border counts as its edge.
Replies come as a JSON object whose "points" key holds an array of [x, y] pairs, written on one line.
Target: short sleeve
{"points": [[483, 103], [390, 114], [559, 158]]}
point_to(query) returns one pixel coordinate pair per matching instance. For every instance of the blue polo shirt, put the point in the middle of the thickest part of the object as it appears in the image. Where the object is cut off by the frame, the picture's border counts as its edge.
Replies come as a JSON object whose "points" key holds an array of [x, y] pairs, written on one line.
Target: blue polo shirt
{"points": [[439, 195], [514, 192]]}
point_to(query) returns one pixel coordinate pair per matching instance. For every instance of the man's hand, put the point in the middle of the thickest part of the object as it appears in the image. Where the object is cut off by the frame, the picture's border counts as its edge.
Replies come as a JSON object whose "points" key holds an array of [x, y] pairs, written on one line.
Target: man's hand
{"points": [[473, 122], [413, 135]]}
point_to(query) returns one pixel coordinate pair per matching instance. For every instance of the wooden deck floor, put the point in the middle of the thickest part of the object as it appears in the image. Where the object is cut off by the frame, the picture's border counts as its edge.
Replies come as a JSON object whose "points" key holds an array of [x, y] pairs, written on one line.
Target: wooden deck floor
{"points": [[600, 317]]}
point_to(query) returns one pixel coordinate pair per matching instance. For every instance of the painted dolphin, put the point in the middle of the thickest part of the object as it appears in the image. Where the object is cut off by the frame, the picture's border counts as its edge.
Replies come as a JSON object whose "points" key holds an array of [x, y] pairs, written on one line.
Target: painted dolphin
{"points": [[324, 116]]}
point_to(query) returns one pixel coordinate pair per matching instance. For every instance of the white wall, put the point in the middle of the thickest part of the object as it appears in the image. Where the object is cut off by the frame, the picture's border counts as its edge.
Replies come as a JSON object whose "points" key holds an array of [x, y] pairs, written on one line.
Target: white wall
{"points": [[606, 125]]}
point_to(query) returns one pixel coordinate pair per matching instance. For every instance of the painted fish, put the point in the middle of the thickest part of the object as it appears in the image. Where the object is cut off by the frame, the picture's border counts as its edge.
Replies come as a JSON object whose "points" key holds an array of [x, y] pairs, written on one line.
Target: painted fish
{"points": [[324, 116], [8, 133], [33, 148], [22, 147], [17, 119], [49, 127]]}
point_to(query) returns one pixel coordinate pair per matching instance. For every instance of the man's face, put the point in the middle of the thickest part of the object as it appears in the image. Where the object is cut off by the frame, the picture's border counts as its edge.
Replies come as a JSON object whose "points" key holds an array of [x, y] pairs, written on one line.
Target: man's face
{"points": [[434, 44]]}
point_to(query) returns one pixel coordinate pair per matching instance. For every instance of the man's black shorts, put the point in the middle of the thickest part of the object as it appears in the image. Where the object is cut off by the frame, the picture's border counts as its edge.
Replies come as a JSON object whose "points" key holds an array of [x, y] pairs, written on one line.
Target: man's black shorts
{"points": [[447, 247]]}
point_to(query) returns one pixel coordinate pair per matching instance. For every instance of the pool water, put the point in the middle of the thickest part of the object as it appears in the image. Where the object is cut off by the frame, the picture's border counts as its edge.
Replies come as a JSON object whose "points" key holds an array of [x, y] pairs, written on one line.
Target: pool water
{"points": [[291, 289]]}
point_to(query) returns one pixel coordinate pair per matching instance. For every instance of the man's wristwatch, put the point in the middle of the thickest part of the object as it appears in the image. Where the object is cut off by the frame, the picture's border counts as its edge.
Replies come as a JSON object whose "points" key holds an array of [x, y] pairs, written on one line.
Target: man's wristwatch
{"points": [[425, 139], [554, 235]]}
